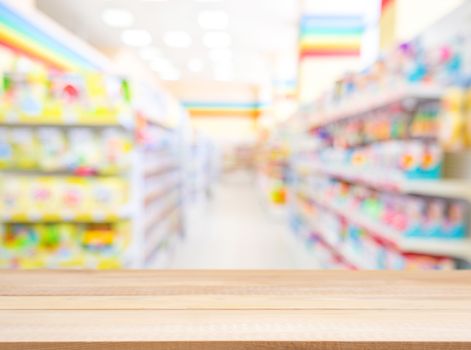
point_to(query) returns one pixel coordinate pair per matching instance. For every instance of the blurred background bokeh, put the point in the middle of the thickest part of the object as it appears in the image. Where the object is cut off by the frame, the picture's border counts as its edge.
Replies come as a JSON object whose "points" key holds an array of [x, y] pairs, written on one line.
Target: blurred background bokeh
{"points": [[235, 134]]}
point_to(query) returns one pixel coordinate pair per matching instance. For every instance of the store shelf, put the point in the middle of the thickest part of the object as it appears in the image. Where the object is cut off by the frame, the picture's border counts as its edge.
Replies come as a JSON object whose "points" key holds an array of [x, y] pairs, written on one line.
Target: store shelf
{"points": [[460, 189], [356, 260], [85, 119], [446, 188], [161, 193], [340, 252], [32, 217], [69, 103], [373, 101], [164, 170], [87, 173], [457, 248], [166, 229], [381, 231], [169, 207]]}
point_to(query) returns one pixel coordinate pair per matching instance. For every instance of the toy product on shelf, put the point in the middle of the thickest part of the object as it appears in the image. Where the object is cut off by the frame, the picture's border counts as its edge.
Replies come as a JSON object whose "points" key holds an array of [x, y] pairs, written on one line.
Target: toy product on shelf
{"points": [[391, 160], [423, 262], [63, 245], [273, 171], [411, 216], [52, 149], [355, 245], [79, 151], [62, 197], [453, 121]]}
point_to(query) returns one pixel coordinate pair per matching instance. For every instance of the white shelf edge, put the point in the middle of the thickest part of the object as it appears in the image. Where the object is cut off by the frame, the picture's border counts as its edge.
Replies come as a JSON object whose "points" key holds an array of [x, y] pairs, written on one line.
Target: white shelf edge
{"points": [[363, 105], [441, 247], [456, 248], [447, 188], [459, 189]]}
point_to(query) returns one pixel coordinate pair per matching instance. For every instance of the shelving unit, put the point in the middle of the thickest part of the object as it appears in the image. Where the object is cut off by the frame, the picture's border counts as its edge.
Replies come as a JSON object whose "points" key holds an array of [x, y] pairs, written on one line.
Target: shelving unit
{"points": [[444, 188], [457, 248], [151, 195], [374, 100], [447, 188], [272, 173], [373, 161], [112, 190]]}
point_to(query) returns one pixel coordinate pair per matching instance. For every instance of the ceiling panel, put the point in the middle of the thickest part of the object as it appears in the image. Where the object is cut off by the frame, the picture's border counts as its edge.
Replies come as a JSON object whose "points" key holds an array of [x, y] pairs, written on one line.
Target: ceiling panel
{"points": [[261, 30]]}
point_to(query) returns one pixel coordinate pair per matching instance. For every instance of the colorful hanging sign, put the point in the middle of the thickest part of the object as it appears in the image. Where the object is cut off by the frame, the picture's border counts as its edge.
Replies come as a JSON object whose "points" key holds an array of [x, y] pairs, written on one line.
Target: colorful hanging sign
{"points": [[330, 35], [224, 109], [387, 24], [18, 33], [385, 4]]}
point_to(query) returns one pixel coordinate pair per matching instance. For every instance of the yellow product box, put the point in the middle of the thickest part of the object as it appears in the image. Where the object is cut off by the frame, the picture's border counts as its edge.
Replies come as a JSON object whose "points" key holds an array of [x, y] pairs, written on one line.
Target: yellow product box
{"points": [[9, 113], [73, 262], [51, 113], [6, 154], [99, 116], [452, 120], [34, 262], [52, 150], [96, 87], [24, 148], [43, 198], [4, 110], [116, 146], [108, 195], [13, 196], [74, 197], [468, 118], [124, 235], [109, 263]]}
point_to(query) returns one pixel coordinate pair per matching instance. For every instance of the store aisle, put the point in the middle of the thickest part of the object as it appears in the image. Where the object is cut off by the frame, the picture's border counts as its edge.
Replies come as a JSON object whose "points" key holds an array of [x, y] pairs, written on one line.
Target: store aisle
{"points": [[235, 231]]}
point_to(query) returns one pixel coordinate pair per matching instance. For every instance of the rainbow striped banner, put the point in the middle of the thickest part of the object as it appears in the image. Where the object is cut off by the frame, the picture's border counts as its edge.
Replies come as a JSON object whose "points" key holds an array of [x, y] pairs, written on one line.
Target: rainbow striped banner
{"points": [[224, 109], [330, 36], [20, 35]]}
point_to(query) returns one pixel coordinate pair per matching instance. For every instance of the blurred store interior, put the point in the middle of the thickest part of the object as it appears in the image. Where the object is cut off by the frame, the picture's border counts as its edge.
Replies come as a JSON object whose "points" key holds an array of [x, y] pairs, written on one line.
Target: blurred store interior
{"points": [[260, 134]]}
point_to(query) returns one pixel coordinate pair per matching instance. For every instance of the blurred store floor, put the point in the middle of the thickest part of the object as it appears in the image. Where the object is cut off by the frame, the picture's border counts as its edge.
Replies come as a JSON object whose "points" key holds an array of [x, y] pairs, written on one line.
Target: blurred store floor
{"points": [[235, 231]]}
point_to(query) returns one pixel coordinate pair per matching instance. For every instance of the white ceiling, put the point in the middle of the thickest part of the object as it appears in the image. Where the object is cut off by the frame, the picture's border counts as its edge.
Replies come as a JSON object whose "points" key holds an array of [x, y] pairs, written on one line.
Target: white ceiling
{"points": [[263, 32]]}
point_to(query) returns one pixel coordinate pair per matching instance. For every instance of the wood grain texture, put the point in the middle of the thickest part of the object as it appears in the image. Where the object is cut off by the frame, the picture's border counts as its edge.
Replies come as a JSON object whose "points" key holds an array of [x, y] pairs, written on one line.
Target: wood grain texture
{"points": [[175, 309]]}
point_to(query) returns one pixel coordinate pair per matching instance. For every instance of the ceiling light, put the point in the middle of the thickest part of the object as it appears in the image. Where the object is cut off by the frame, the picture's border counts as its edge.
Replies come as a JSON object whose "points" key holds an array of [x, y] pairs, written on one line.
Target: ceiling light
{"points": [[220, 55], [177, 39], [136, 37], [149, 53], [215, 19], [217, 40], [119, 18], [195, 65]]}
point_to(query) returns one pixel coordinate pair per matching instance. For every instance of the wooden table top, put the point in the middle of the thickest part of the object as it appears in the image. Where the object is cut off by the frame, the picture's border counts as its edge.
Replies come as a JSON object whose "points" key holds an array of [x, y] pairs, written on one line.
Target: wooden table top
{"points": [[174, 309]]}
